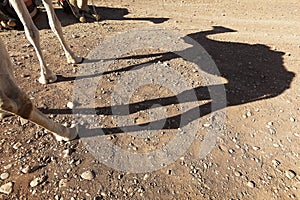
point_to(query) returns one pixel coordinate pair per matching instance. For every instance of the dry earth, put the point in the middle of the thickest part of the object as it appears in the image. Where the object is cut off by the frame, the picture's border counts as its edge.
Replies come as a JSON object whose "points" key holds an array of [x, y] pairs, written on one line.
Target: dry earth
{"points": [[255, 45]]}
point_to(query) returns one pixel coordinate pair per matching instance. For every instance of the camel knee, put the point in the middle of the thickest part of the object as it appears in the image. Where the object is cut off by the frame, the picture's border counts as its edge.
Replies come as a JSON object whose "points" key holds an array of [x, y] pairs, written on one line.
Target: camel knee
{"points": [[19, 104], [6, 105]]}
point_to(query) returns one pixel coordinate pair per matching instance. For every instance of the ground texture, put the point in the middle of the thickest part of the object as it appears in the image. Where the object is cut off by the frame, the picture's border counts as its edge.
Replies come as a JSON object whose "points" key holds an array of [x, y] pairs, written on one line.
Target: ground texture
{"points": [[255, 46]]}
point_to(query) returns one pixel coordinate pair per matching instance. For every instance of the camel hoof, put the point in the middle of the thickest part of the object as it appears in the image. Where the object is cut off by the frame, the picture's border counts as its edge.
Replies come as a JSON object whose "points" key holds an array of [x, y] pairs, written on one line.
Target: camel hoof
{"points": [[45, 80], [82, 19], [71, 134], [75, 60], [11, 23]]}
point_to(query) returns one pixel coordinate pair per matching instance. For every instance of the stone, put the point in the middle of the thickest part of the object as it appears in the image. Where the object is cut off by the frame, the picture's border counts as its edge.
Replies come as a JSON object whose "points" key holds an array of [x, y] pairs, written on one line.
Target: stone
{"points": [[75, 36], [38, 180], [23, 121], [249, 114], [4, 175], [276, 163], [103, 194], [146, 176], [67, 152], [17, 145], [272, 131], [25, 169], [231, 151], [6, 167], [7, 188], [251, 184], [70, 105], [237, 173], [290, 174], [256, 148], [292, 119], [88, 175], [63, 183]]}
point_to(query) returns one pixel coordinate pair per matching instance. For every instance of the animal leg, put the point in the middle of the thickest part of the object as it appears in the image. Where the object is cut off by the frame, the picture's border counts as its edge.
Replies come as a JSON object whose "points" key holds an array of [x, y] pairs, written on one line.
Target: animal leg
{"points": [[83, 6], [14, 100], [32, 34], [76, 11], [23, 107], [56, 28]]}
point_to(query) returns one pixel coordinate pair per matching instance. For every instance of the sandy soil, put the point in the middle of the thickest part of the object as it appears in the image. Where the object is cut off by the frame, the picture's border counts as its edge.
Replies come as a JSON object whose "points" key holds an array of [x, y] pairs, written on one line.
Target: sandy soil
{"points": [[255, 46]]}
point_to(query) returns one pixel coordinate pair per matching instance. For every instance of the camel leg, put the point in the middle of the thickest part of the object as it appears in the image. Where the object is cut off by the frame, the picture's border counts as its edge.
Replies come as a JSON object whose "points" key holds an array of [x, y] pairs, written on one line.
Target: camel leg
{"points": [[14, 100], [33, 36], [83, 5], [60, 132], [76, 11], [24, 108], [56, 28]]}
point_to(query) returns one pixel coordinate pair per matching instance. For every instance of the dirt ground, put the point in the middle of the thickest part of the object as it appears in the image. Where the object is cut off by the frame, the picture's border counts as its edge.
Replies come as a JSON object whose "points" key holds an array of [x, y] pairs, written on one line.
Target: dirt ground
{"points": [[255, 46]]}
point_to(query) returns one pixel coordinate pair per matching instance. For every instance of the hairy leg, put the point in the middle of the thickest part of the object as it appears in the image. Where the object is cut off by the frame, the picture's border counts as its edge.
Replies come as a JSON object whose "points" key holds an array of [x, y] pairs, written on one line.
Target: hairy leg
{"points": [[14, 100], [33, 36], [56, 28]]}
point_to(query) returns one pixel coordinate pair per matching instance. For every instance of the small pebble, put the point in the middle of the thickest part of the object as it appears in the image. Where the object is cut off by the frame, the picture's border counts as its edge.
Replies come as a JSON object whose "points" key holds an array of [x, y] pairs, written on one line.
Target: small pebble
{"points": [[62, 183], [67, 152], [6, 167], [256, 148], [292, 119], [88, 175], [134, 148], [270, 123], [38, 180], [249, 114], [120, 176], [25, 170], [206, 125], [4, 175], [237, 173], [23, 121], [290, 174], [272, 131], [70, 105], [7, 188], [17, 145], [103, 194], [75, 36], [276, 163], [251, 184], [276, 145], [146, 176], [231, 151]]}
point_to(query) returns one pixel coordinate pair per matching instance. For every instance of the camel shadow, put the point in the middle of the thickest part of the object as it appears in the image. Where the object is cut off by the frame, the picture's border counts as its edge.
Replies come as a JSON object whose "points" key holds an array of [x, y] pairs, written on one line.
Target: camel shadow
{"points": [[106, 13], [253, 73]]}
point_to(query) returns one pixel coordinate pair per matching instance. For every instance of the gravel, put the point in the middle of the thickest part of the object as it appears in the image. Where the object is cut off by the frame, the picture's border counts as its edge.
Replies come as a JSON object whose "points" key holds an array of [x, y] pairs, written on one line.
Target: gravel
{"points": [[4, 175], [290, 174], [7, 188], [88, 175]]}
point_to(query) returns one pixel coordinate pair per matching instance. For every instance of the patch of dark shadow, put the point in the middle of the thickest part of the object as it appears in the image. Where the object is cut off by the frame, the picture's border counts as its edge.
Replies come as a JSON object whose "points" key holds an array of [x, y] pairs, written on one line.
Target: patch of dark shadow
{"points": [[254, 72], [106, 13]]}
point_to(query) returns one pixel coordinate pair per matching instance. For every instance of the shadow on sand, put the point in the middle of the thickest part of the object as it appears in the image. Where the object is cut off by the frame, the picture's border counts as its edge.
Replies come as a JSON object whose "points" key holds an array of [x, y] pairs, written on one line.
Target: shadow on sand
{"points": [[106, 13], [253, 73]]}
